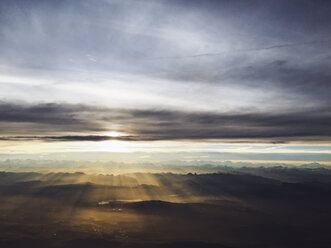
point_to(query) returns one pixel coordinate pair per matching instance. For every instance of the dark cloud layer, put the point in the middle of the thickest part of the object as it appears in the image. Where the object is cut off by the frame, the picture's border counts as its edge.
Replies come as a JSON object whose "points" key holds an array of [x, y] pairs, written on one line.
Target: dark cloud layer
{"points": [[69, 122]]}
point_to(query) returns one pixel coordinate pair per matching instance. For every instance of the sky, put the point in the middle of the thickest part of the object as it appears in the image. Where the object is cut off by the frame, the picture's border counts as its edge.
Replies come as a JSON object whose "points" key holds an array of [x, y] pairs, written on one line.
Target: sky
{"points": [[231, 77]]}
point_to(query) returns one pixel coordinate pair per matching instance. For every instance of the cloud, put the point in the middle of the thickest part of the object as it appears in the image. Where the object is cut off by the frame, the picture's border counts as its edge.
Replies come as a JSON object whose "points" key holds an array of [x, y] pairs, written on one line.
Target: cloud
{"points": [[59, 138], [70, 122], [52, 42], [305, 80], [97, 52], [48, 118]]}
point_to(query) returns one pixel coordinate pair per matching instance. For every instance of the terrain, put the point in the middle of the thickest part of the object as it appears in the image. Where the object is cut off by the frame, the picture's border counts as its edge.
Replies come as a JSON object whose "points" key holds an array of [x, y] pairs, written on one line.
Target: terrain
{"points": [[255, 207]]}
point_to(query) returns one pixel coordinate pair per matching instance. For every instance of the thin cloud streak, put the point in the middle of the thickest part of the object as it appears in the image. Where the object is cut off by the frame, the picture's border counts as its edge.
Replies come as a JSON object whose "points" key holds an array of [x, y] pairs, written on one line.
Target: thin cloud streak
{"points": [[279, 46]]}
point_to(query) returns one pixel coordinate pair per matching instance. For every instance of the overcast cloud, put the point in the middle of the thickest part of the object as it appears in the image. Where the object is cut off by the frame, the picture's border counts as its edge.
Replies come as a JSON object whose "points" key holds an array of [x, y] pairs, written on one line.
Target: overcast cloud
{"points": [[165, 70]]}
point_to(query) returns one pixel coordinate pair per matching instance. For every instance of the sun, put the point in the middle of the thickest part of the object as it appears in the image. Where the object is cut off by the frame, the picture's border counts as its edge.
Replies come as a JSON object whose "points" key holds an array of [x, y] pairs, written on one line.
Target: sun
{"points": [[114, 134]]}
